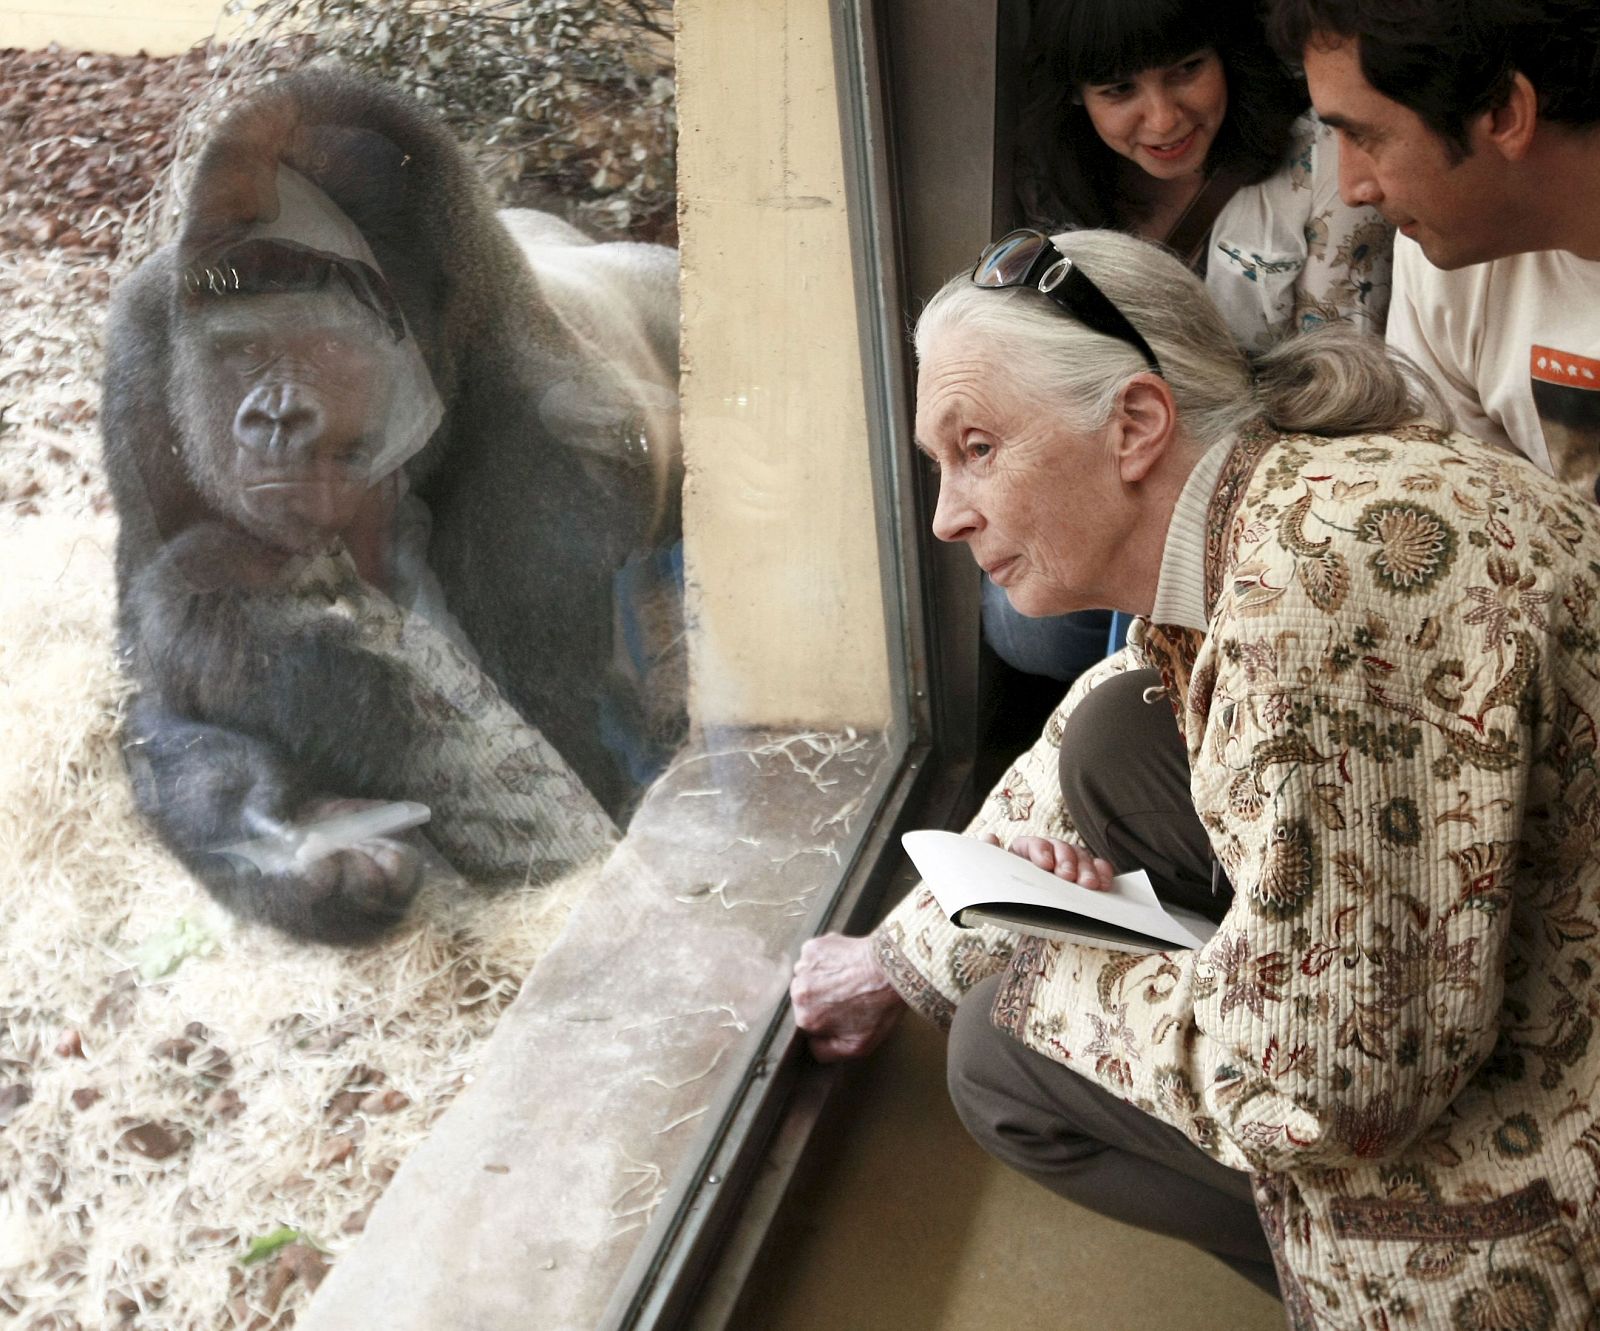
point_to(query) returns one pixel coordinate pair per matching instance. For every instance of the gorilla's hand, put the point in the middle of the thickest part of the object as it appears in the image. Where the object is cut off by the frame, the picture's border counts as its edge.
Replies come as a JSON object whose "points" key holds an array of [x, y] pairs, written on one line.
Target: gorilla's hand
{"points": [[841, 997], [356, 891], [232, 807]]}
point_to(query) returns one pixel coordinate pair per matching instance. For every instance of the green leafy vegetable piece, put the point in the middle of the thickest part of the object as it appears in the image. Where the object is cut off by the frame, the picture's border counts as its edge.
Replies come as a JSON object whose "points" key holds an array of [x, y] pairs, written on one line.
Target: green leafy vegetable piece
{"points": [[262, 1248], [165, 950]]}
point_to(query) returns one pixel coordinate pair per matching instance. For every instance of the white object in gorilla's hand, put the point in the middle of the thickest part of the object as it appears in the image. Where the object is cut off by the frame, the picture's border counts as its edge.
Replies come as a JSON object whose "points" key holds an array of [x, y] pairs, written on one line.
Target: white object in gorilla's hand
{"points": [[297, 845]]}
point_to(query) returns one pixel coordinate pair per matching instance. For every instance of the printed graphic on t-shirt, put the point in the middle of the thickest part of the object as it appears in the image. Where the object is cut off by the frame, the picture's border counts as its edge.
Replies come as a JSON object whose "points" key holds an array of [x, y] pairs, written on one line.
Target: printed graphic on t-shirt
{"points": [[1566, 394]]}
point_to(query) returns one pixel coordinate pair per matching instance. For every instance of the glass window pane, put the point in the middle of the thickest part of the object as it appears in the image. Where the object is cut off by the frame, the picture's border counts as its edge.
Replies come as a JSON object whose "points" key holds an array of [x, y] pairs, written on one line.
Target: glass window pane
{"points": [[473, 666]]}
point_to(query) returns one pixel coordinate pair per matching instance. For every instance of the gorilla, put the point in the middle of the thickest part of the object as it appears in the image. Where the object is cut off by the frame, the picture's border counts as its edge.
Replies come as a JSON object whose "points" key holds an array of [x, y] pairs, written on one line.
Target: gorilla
{"points": [[348, 354]]}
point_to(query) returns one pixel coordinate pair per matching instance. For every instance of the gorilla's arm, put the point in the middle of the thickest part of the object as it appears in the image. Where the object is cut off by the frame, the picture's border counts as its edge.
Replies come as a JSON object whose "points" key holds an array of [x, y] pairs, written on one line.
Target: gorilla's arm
{"points": [[152, 493], [291, 713], [205, 786], [295, 711], [300, 720], [216, 631]]}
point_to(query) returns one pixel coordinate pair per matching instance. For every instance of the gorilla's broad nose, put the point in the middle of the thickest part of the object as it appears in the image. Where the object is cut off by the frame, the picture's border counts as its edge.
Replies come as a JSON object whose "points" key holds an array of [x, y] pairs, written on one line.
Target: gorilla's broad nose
{"points": [[278, 418]]}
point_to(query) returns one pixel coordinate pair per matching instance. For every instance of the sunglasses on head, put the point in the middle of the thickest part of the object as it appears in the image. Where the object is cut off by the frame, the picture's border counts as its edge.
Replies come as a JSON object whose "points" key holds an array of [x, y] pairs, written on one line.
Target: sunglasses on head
{"points": [[1028, 258], [264, 267]]}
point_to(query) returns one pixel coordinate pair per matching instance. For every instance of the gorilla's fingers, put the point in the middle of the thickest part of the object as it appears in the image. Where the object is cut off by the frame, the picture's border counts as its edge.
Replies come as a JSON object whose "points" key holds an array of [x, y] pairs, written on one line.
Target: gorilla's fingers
{"points": [[380, 877], [352, 896]]}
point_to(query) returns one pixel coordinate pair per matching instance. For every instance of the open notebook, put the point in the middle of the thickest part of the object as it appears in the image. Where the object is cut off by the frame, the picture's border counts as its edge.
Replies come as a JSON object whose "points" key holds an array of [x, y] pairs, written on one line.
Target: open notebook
{"points": [[976, 883]]}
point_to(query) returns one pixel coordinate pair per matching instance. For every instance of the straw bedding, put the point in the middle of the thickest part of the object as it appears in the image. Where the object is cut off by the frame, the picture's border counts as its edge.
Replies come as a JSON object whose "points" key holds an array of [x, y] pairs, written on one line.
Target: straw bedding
{"points": [[195, 1116]]}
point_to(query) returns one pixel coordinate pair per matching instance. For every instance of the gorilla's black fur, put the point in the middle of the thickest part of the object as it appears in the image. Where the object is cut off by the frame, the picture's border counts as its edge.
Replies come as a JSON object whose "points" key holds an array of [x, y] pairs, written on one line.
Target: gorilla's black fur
{"points": [[243, 722]]}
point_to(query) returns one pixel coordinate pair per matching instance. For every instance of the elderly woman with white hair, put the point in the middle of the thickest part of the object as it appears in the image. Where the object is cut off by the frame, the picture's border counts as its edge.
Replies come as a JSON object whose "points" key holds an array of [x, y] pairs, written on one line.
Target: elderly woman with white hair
{"points": [[1374, 1088]]}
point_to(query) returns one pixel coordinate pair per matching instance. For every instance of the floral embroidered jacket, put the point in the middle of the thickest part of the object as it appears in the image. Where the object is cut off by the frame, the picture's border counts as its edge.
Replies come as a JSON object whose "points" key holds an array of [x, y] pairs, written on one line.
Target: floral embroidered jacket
{"points": [[1392, 725]]}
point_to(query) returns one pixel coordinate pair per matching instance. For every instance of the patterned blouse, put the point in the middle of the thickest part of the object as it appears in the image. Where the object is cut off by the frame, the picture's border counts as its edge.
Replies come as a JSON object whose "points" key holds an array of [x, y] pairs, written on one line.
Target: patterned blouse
{"points": [[1288, 255]]}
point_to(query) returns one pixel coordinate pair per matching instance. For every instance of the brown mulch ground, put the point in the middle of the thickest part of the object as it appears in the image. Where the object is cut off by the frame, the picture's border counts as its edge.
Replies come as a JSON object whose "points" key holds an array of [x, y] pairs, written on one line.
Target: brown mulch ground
{"points": [[82, 140]]}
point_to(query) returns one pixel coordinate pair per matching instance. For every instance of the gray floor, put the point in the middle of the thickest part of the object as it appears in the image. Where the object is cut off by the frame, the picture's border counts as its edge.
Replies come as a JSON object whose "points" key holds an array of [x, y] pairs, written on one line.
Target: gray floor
{"points": [[909, 1227]]}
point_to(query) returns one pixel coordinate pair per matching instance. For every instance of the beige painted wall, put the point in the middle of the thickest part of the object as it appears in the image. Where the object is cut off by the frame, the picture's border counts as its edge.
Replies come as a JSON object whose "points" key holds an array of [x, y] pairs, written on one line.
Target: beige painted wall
{"points": [[161, 27], [781, 544]]}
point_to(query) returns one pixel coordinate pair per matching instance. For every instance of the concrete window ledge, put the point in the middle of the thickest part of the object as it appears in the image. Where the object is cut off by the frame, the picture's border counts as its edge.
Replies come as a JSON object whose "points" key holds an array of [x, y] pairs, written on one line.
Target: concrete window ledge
{"points": [[609, 1073]]}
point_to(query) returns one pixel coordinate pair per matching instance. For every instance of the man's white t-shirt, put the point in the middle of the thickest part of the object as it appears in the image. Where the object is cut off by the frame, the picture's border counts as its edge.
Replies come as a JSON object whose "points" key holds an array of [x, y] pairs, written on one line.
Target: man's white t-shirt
{"points": [[1513, 346]]}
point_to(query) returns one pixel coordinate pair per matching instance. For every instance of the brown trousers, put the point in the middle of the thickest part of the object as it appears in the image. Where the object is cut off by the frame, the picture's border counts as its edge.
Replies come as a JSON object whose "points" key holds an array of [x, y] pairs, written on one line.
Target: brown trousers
{"points": [[1125, 780]]}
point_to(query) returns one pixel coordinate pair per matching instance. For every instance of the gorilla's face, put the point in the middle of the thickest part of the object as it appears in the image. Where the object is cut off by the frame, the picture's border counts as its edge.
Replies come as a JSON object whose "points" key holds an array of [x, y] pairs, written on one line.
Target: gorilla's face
{"points": [[285, 362], [284, 400]]}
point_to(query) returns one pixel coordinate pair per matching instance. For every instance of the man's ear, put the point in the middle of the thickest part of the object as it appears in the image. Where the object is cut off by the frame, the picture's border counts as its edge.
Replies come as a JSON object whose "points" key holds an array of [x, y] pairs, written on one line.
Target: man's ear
{"points": [[1509, 129], [1143, 427]]}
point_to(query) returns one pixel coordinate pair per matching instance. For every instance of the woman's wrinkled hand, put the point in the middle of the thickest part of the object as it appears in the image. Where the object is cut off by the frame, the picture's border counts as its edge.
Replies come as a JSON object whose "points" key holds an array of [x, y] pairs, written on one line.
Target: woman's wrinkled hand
{"points": [[842, 999], [1063, 859]]}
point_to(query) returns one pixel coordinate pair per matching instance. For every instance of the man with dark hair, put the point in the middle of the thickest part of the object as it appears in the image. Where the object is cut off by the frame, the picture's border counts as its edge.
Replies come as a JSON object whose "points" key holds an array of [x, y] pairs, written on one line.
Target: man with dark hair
{"points": [[1474, 126]]}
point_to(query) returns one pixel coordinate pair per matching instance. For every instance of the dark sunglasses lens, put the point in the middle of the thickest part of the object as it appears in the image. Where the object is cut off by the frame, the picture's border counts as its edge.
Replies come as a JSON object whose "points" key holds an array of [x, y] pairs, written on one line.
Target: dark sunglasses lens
{"points": [[1007, 261]]}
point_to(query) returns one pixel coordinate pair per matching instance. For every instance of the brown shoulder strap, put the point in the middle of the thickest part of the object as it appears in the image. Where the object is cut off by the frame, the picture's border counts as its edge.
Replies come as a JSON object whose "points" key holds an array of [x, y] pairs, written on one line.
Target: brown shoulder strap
{"points": [[1191, 233]]}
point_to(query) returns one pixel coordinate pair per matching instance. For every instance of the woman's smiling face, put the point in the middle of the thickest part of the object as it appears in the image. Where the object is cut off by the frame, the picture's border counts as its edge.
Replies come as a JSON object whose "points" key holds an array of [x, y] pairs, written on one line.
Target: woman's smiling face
{"points": [[1163, 120]]}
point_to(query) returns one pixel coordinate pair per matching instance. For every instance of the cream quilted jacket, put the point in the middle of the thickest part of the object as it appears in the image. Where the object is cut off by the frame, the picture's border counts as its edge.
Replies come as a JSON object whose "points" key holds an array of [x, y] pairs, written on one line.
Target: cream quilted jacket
{"points": [[1393, 726]]}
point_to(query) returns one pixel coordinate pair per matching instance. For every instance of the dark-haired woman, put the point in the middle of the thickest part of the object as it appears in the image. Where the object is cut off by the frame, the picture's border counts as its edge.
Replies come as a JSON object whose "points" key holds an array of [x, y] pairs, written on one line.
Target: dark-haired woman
{"points": [[1174, 120], [1142, 111]]}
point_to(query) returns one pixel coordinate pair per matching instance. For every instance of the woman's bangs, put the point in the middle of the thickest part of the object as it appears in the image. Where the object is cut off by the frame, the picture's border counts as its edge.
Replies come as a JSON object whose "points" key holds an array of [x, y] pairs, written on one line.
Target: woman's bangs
{"points": [[1106, 41]]}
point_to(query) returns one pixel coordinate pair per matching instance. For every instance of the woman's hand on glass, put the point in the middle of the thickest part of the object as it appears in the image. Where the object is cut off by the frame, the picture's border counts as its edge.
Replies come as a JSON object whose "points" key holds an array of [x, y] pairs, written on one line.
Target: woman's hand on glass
{"points": [[842, 999]]}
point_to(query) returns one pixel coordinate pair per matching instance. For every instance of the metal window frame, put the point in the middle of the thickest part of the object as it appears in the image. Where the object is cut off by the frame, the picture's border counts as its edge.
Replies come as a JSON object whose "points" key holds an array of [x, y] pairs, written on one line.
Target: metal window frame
{"points": [[909, 229]]}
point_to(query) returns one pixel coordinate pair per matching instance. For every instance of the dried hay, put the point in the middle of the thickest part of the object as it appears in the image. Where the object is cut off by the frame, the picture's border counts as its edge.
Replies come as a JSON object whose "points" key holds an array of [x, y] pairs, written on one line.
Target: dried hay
{"points": [[171, 1119]]}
